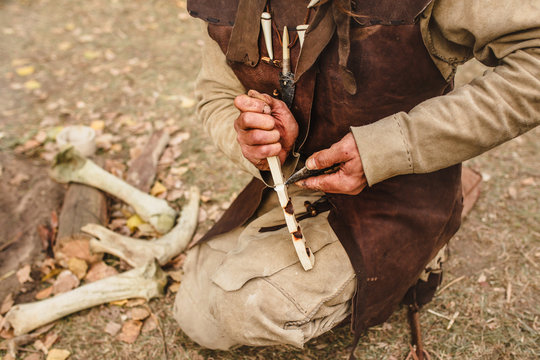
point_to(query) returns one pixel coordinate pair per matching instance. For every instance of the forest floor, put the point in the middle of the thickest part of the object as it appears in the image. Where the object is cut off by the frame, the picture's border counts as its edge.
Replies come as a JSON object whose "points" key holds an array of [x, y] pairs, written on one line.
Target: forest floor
{"points": [[127, 68]]}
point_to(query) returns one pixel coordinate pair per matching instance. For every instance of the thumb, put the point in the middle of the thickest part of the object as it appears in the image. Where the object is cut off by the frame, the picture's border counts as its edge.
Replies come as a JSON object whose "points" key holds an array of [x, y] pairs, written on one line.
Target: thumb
{"points": [[324, 158]]}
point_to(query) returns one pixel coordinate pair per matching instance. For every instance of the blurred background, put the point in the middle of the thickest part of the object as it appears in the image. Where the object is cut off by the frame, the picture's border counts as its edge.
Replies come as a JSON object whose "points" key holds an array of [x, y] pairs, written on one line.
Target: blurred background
{"points": [[127, 69]]}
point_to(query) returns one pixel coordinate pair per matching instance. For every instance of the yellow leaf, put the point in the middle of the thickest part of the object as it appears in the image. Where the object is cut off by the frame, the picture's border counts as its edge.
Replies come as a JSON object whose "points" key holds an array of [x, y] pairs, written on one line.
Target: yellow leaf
{"points": [[91, 54], [64, 45], [133, 222], [157, 189], [25, 70], [32, 85], [58, 354], [119, 302], [97, 125]]}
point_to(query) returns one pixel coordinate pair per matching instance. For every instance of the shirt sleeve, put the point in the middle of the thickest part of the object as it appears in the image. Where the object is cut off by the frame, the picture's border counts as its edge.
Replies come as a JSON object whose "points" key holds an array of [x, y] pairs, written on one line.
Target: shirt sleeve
{"points": [[215, 88], [494, 108]]}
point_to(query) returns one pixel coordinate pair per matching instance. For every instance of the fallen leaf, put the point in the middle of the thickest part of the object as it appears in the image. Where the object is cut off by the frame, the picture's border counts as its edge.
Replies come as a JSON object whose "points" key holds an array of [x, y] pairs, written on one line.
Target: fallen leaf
{"points": [[174, 195], [18, 179], [64, 282], [79, 249], [8, 357], [115, 148], [91, 54], [100, 271], [112, 328], [78, 267], [6, 304], [38, 345], [51, 274], [178, 138], [528, 182], [45, 293], [23, 274], [25, 70], [134, 222], [58, 354], [34, 356], [150, 324], [130, 331], [32, 85], [119, 302], [176, 275], [135, 302], [139, 313], [157, 189], [64, 45], [482, 278], [174, 287], [7, 334], [50, 339], [115, 167], [97, 125], [187, 102], [512, 192]]}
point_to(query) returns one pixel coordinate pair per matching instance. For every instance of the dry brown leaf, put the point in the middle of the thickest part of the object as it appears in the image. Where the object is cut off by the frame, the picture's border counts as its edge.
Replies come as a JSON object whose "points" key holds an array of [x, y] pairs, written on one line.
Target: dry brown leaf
{"points": [[64, 282], [528, 181], [176, 275], [45, 293], [80, 249], [51, 274], [150, 324], [112, 328], [38, 345], [115, 148], [139, 313], [130, 331], [23, 274], [178, 138], [100, 271], [174, 287], [78, 267], [135, 302], [174, 195], [18, 179], [50, 339], [34, 356], [6, 304], [512, 192], [58, 354]]}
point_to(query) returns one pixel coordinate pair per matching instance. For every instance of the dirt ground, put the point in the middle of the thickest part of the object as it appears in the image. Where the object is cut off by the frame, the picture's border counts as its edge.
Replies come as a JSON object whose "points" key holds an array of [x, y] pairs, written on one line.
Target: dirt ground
{"points": [[131, 66]]}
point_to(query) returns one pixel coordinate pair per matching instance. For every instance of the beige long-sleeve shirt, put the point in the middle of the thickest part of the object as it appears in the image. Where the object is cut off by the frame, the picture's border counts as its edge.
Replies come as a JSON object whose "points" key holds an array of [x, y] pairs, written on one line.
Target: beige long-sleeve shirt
{"points": [[441, 131]]}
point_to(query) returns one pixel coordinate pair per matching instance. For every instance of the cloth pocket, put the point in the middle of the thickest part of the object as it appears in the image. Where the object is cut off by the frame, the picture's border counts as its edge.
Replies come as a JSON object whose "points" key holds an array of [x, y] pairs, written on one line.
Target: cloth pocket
{"points": [[263, 254]]}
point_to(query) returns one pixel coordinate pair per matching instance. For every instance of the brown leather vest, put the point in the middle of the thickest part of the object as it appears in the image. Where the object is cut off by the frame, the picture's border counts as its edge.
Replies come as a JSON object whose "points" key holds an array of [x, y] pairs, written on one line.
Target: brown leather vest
{"points": [[392, 229]]}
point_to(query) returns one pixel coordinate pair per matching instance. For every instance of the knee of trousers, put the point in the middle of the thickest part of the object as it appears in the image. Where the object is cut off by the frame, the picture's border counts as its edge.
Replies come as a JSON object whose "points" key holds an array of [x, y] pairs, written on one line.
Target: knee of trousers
{"points": [[255, 315]]}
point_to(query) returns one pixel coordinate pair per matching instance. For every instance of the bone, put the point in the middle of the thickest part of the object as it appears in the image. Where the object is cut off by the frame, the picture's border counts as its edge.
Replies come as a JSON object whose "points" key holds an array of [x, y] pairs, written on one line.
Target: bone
{"points": [[301, 31], [70, 166], [137, 252], [305, 255], [145, 282], [266, 24]]}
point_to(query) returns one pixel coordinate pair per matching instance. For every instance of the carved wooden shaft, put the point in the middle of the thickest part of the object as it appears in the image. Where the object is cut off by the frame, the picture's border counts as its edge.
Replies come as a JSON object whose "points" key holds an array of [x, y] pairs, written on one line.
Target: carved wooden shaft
{"points": [[307, 259]]}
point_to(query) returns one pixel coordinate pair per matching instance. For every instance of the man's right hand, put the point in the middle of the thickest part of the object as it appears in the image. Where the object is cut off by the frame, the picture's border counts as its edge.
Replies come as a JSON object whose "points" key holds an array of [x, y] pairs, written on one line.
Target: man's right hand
{"points": [[266, 127]]}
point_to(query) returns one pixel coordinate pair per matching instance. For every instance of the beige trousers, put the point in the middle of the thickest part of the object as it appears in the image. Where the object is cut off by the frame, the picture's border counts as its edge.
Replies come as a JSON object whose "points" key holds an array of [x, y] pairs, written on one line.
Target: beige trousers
{"points": [[248, 288]]}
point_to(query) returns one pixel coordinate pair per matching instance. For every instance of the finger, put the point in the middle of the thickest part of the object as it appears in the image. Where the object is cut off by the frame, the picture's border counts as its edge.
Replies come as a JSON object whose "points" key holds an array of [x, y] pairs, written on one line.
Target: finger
{"points": [[258, 137], [255, 153], [247, 103], [325, 158], [275, 104], [250, 120], [333, 183]]}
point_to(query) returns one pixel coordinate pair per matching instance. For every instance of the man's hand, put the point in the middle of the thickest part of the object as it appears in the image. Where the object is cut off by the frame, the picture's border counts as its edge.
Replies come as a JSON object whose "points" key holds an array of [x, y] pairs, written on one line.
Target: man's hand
{"points": [[265, 128], [349, 179]]}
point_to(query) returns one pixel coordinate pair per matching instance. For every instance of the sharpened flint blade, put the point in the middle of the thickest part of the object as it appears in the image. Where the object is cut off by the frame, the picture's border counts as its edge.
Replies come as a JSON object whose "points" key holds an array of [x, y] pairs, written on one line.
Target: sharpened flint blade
{"points": [[286, 82], [305, 173]]}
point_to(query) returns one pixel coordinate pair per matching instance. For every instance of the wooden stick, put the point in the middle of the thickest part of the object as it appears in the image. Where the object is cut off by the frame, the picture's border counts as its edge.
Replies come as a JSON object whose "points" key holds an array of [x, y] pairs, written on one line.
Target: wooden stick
{"points": [[307, 259]]}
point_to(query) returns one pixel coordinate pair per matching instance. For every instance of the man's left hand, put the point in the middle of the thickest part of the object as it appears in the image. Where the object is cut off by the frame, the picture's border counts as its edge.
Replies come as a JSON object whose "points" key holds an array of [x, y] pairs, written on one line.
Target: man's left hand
{"points": [[349, 179]]}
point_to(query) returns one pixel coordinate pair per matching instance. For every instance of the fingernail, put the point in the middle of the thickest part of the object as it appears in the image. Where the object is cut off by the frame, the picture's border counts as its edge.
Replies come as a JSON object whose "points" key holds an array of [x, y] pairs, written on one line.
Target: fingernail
{"points": [[300, 183], [310, 164], [267, 110]]}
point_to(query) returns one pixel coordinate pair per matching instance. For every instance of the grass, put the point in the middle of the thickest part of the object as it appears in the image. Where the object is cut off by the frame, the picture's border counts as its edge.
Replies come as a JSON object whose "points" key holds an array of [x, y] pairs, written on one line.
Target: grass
{"points": [[155, 58]]}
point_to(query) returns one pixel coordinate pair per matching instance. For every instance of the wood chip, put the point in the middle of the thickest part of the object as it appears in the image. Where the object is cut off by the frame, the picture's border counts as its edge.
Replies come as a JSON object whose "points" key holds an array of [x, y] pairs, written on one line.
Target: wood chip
{"points": [[45, 293], [64, 282], [150, 324], [23, 274], [78, 267], [112, 328], [130, 331], [100, 271], [58, 354], [6, 304], [139, 313]]}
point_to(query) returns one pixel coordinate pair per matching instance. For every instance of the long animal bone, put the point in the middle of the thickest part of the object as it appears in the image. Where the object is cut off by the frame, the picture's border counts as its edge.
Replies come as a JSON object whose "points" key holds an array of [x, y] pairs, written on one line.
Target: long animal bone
{"points": [[137, 252], [307, 259], [70, 166], [145, 282]]}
